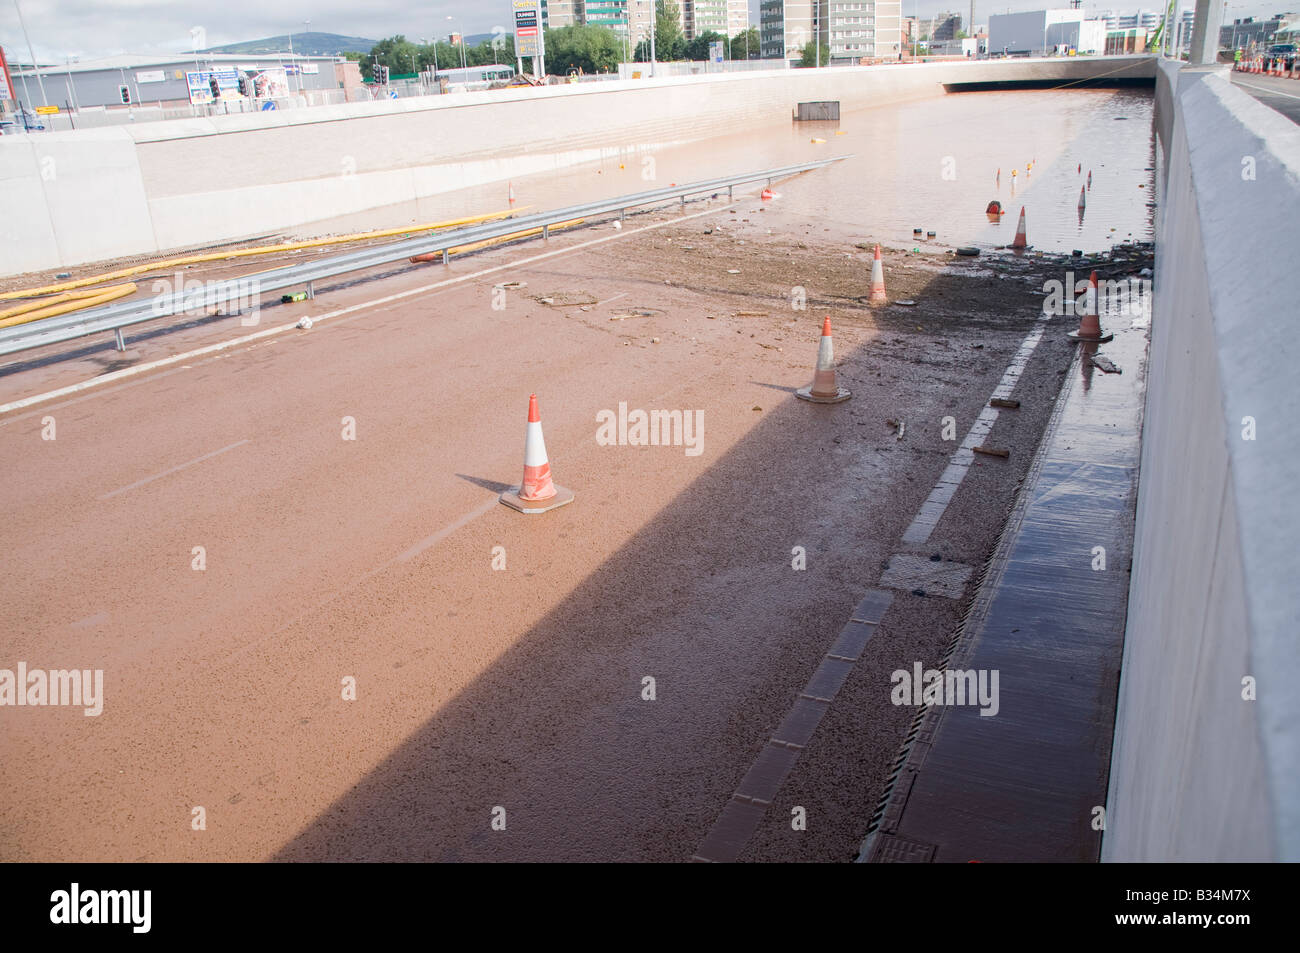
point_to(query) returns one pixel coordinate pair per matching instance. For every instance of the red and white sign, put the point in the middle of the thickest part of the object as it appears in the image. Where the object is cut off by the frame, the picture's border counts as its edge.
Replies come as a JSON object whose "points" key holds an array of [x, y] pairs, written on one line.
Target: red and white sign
{"points": [[6, 81]]}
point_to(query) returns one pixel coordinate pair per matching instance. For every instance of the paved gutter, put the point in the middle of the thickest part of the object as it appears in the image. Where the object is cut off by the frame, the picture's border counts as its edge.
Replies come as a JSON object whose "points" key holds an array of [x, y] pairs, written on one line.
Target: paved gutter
{"points": [[1023, 785]]}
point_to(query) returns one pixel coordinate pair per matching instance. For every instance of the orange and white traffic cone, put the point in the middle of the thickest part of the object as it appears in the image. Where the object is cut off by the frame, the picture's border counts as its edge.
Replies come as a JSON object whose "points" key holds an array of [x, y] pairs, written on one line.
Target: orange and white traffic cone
{"points": [[1089, 180], [878, 295], [1083, 201], [1090, 319], [536, 493], [1021, 240], [510, 192], [824, 389]]}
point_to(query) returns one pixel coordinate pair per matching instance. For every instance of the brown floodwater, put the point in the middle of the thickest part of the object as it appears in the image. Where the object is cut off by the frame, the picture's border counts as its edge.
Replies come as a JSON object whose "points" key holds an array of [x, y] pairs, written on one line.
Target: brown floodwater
{"points": [[931, 164]]}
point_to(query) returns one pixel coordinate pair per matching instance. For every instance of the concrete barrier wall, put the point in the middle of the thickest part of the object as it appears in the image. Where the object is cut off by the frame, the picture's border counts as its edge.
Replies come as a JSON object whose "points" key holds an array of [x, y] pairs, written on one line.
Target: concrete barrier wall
{"points": [[189, 182], [1199, 773]]}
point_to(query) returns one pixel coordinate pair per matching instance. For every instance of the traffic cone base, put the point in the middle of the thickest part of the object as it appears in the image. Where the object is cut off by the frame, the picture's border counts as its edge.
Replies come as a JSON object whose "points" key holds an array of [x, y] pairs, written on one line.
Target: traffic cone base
{"points": [[1083, 336], [806, 393], [512, 499]]}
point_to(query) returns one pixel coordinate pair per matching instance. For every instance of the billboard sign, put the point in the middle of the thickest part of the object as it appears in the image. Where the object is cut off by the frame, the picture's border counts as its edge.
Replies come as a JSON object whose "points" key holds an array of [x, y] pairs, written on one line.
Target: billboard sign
{"points": [[715, 51], [202, 82], [528, 28]]}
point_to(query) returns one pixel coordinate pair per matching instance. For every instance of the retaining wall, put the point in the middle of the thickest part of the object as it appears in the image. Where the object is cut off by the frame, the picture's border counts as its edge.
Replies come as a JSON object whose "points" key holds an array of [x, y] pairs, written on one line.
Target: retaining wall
{"points": [[1198, 773]]}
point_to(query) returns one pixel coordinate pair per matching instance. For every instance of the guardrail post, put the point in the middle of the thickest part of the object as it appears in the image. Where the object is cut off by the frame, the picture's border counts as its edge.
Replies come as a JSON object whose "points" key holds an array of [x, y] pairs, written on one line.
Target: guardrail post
{"points": [[731, 193], [546, 233], [622, 215], [121, 341], [311, 291], [446, 256]]}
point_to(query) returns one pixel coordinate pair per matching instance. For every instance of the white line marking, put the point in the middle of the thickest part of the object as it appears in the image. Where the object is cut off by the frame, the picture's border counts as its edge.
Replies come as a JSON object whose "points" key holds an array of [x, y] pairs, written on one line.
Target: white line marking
{"points": [[387, 299], [936, 504], [159, 476], [608, 300], [1266, 89], [442, 534]]}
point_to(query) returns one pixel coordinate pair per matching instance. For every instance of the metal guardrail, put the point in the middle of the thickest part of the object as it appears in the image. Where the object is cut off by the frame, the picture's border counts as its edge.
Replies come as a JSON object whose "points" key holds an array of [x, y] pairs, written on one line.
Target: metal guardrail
{"points": [[234, 291]]}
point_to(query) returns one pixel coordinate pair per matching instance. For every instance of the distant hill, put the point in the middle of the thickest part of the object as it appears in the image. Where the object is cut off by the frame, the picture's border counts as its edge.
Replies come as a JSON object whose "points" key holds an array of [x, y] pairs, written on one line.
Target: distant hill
{"points": [[314, 44]]}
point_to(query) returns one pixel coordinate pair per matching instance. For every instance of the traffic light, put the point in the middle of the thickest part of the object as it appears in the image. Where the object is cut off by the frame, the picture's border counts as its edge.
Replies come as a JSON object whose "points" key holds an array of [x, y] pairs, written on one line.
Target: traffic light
{"points": [[215, 87], [243, 85], [125, 93]]}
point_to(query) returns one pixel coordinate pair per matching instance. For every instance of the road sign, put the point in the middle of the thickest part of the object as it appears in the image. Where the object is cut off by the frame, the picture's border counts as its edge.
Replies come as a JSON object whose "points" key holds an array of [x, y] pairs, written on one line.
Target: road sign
{"points": [[6, 82], [47, 110], [527, 28]]}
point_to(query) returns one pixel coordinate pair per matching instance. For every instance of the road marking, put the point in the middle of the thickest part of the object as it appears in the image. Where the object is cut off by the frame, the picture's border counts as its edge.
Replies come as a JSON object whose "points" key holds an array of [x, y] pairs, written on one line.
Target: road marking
{"points": [[1266, 89], [159, 476], [936, 504], [387, 299], [442, 534]]}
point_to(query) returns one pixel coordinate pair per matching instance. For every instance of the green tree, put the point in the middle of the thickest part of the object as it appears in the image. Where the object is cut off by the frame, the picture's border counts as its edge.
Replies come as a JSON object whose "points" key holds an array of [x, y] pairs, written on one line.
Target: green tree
{"points": [[397, 53], [698, 48], [670, 43], [809, 55], [738, 45], [590, 49]]}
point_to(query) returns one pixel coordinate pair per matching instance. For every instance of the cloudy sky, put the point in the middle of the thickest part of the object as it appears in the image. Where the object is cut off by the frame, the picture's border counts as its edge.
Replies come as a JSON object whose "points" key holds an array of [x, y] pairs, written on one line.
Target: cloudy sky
{"points": [[90, 28]]}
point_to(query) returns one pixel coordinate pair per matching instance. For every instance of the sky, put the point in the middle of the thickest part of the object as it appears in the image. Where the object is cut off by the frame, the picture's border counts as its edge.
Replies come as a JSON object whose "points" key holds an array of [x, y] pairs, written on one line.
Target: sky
{"points": [[86, 29]]}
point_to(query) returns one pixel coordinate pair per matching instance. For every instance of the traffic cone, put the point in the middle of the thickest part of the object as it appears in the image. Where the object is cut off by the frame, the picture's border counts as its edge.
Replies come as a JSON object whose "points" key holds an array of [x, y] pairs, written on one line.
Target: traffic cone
{"points": [[823, 389], [765, 195], [1020, 240], [1089, 180], [1090, 319], [511, 192], [1079, 168], [1083, 201], [536, 493], [878, 295]]}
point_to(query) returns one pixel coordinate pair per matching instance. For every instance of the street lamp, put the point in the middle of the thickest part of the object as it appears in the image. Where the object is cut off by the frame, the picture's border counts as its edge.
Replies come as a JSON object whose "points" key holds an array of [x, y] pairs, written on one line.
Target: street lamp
{"points": [[32, 53], [462, 47]]}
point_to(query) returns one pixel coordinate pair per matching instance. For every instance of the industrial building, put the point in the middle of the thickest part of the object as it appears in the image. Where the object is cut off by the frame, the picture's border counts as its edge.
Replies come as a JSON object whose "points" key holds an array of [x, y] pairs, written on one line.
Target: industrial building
{"points": [[193, 79]]}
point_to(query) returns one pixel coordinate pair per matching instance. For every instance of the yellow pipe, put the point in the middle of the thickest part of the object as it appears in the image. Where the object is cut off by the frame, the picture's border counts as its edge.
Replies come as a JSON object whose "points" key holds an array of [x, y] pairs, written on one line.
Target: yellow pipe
{"points": [[249, 252], [50, 302], [462, 249], [102, 296]]}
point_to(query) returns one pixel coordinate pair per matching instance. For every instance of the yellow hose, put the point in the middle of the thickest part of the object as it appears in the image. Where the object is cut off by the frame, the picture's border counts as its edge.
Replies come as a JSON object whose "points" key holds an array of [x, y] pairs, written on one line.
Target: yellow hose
{"points": [[68, 304], [462, 249], [50, 302], [247, 253]]}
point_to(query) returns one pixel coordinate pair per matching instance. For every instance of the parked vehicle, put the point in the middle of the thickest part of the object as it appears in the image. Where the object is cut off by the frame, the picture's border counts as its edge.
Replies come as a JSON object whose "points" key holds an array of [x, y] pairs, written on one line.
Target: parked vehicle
{"points": [[25, 121], [1285, 53]]}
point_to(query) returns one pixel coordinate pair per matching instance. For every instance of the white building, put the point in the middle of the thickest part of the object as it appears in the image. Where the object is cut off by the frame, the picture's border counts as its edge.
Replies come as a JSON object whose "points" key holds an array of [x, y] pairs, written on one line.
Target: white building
{"points": [[853, 29], [1039, 32], [868, 29]]}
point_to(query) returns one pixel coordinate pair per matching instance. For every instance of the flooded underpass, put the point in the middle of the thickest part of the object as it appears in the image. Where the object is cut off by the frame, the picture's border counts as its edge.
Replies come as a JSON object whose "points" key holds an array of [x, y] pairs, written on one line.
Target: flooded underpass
{"points": [[768, 587]]}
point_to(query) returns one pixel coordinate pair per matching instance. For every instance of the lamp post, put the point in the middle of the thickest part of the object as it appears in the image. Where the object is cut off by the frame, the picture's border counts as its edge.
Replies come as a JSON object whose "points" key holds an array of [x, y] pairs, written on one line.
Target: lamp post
{"points": [[32, 53], [462, 46]]}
